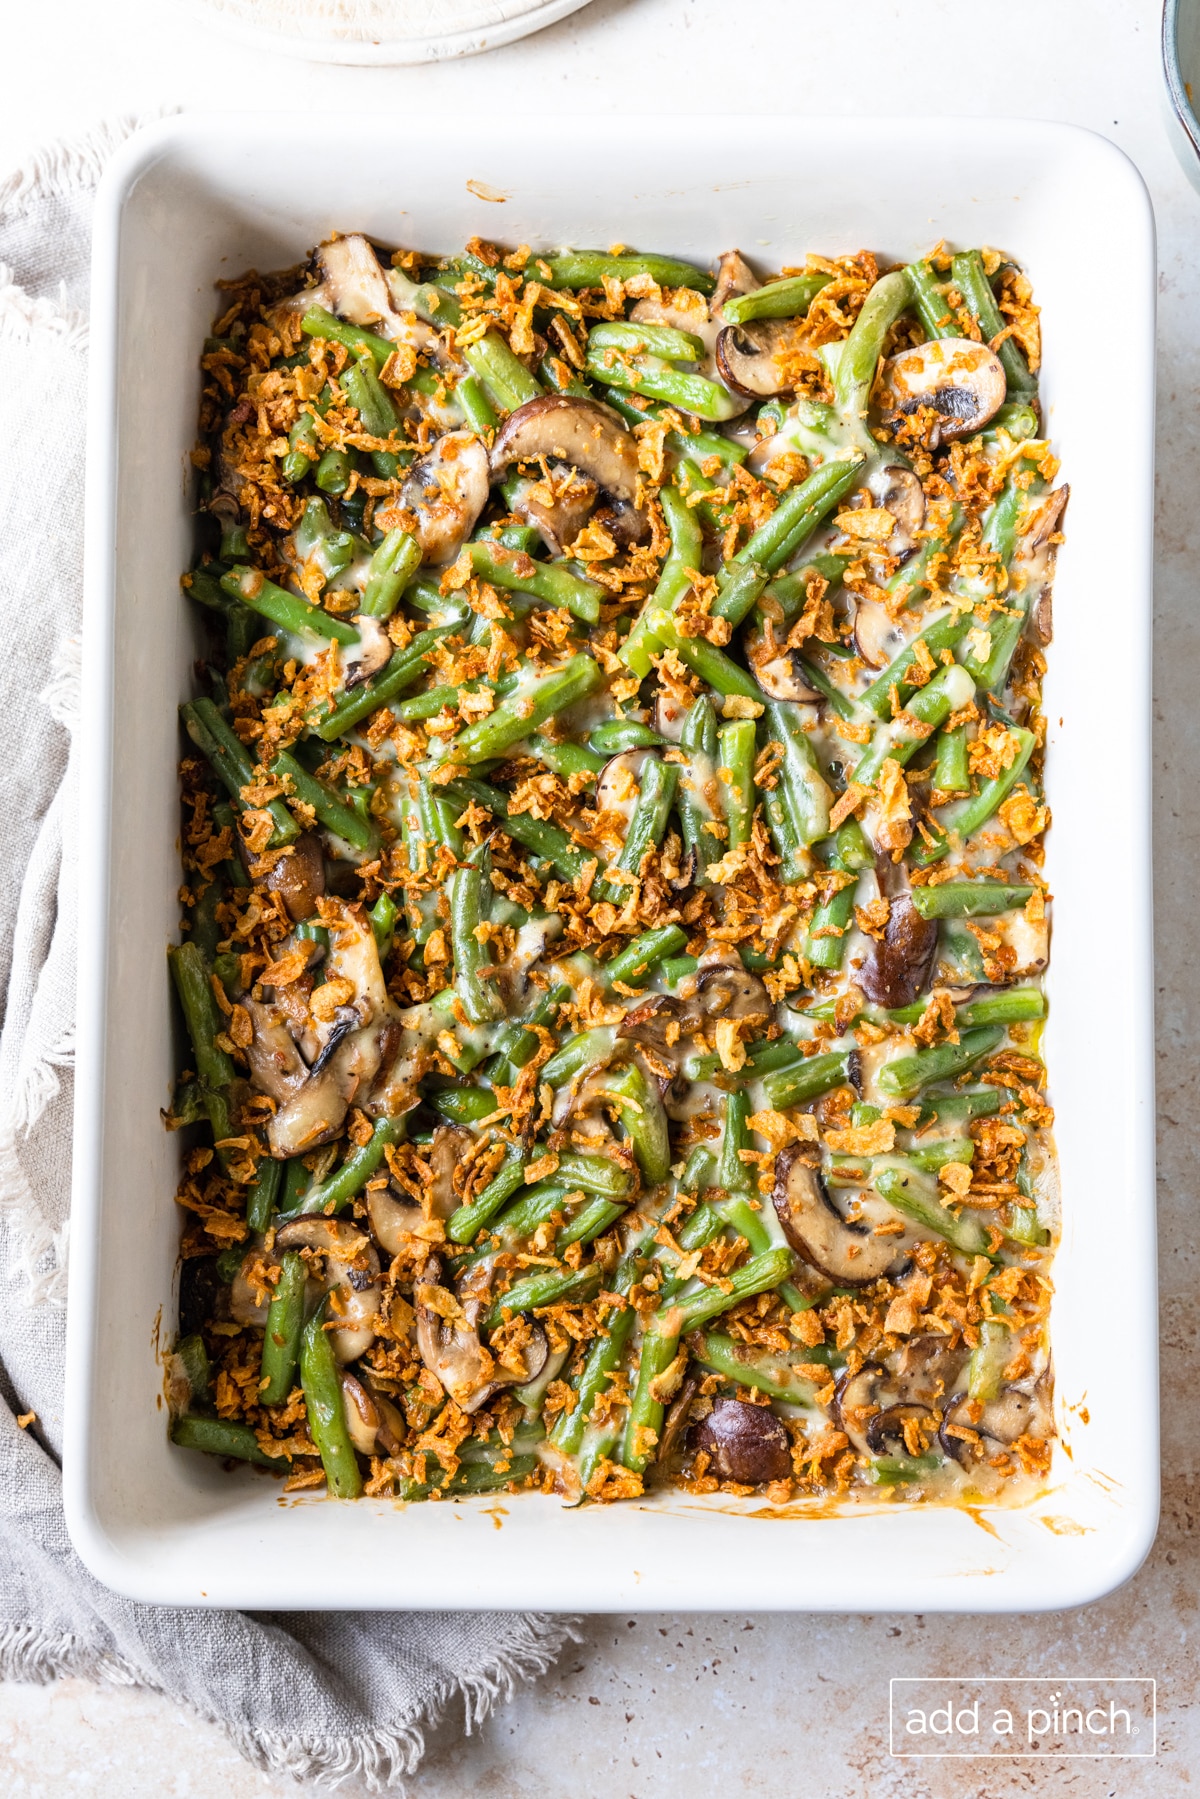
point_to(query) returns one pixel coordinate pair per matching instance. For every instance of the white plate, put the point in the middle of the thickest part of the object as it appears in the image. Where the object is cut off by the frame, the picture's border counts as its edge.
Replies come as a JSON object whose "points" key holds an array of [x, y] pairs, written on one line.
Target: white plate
{"points": [[194, 198], [379, 33]]}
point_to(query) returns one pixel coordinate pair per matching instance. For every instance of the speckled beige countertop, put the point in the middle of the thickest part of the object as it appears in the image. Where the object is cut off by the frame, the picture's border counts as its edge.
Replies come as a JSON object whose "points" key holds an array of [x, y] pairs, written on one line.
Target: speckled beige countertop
{"points": [[682, 1708]]}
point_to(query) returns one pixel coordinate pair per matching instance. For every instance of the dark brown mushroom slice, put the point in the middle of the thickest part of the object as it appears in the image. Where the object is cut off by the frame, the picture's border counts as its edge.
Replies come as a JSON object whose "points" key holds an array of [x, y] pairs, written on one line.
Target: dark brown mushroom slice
{"points": [[729, 990], [757, 359], [276, 1066], [315, 1112], [1017, 1411], [857, 1398], [961, 382], [583, 433], [298, 877], [372, 1421], [660, 1026], [1033, 564], [850, 1254], [671, 1436], [897, 969], [898, 490], [746, 1443], [625, 524], [927, 1367], [885, 1432]]}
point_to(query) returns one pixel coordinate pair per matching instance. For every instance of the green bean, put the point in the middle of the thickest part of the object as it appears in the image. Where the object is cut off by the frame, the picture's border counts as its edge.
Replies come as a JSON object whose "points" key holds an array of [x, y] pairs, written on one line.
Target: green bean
{"points": [[196, 1366], [636, 960], [740, 595], [648, 821], [761, 1058], [535, 1206], [231, 762], [899, 739], [735, 771], [804, 791], [677, 968], [545, 1289], [788, 298], [465, 1225], [335, 1192], [595, 1174], [800, 512], [478, 996], [656, 377], [219, 1436], [590, 1222], [204, 1023], [504, 377], [816, 1075], [393, 566], [976, 290], [544, 839], [858, 357], [661, 1343], [659, 340], [930, 303], [431, 702], [697, 788], [790, 592], [620, 734], [285, 1323], [642, 1117], [902, 1470], [376, 411], [770, 1374], [304, 439], [565, 759], [321, 1381], [964, 817], [522, 712], [476, 405], [952, 773], [263, 1195], [383, 916], [858, 1171], [826, 945], [590, 268], [985, 1370], [943, 634], [958, 1109], [713, 666], [675, 578], [551, 582], [342, 820], [603, 1358], [517, 1043], [905, 1075], [969, 899], [913, 1194], [287, 610], [320, 323]]}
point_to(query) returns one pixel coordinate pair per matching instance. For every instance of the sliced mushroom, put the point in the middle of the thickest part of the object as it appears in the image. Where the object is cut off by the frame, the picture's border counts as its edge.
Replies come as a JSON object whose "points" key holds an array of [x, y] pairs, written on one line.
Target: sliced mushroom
{"points": [[351, 1274], [877, 637], [898, 490], [373, 1423], [1033, 564], [850, 1254], [885, 1433], [674, 1425], [442, 497], [560, 519], [450, 1144], [927, 1368], [693, 319], [249, 1291], [316, 1111], [448, 1340], [734, 276], [276, 1066], [1017, 1411], [583, 433], [393, 1221], [759, 359], [746, 1443], [660, 1026], [359, 291], [617, 787], [777, 670], [727, 989], [371, 653], [961, 382], [670, 715], [897, 969], [299, 876]]}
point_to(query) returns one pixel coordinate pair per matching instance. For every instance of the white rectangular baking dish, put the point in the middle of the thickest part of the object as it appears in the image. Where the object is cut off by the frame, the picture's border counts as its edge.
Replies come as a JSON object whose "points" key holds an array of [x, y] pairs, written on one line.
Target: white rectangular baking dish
{"points": [[195, 198]]}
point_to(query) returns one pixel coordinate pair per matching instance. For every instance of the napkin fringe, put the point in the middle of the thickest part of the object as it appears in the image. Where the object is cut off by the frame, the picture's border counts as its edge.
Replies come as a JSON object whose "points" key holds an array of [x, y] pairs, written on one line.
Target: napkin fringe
{"points": [[62, 169], [379, 1759], [36, 1657]]}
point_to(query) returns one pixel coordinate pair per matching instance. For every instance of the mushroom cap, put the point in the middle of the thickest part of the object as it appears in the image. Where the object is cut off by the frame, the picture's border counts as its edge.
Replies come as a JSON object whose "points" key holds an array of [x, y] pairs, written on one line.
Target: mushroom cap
{"points": [[299, 876], [897, 969], [450, 1144], [559, 521], [356, 286], [589, 436], [885, 1432], [351, 1265], [729, 990], [850, 1254], [962, 382], [371, 653], [617, 787], [877, 637], [747, 1443], [250, 1298], [758, 359], [276, 1066], [898, 490], [392, 1221], [734, 276], [445, 492]]}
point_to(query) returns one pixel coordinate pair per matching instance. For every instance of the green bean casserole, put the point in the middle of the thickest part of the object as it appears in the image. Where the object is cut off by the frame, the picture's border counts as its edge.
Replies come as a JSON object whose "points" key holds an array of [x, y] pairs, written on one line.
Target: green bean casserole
{"points": [[614, 925]]}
